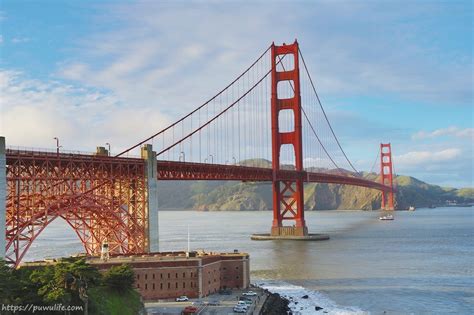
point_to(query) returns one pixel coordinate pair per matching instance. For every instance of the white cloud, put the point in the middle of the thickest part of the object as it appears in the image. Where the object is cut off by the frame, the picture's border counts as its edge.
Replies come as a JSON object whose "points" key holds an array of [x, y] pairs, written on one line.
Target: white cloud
{"points": [[450, 131], [33, 112], [20, 40], [415, 158], [173, 56]]}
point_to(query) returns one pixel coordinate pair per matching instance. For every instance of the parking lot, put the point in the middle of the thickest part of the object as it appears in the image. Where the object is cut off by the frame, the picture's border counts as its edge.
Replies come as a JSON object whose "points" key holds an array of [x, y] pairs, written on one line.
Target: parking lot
{"points": [[226, 304]]}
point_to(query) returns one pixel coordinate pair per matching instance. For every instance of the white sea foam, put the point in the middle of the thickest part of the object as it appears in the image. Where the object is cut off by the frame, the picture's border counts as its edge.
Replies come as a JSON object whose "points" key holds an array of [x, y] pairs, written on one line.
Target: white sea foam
{"points": [[299, 305]]}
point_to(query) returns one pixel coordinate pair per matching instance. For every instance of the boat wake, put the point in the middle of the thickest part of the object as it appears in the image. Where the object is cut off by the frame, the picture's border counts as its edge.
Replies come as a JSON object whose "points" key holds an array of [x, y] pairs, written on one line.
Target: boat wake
{"points": [[304, 301]]}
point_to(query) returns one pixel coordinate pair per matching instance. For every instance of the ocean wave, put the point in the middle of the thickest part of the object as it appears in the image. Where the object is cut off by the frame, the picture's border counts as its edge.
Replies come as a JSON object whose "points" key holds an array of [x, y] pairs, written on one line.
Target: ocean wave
{"points": [[304, 301]]}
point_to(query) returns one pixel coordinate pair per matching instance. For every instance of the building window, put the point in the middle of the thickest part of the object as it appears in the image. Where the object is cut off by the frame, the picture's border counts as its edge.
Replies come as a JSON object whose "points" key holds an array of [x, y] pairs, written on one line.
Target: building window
{"points": [[184, 285], [161, 286], [146, 286], [169, 275], [191, 274], [138, 277], [176, 275], [138, 285], [237, 277], [237, 268], [169, 285], [184, 274], [153, 286], [225, 268], [146, 276], [176, 285], [161, 275], [153, 276]]}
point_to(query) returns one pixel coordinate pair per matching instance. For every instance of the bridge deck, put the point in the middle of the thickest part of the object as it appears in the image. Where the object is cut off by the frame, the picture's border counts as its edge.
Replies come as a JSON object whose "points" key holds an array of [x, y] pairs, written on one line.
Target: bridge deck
{"points": [[171, 170]]}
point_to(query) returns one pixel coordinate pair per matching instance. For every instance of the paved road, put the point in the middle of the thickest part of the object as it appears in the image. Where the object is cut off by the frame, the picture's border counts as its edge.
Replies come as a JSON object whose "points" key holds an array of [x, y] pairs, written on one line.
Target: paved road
{"points": [[227, 303]]}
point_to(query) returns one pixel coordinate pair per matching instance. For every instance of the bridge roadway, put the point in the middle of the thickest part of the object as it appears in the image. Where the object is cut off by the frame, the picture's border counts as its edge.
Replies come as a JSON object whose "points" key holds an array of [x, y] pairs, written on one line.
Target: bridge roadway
{"points": [[172, 170]]}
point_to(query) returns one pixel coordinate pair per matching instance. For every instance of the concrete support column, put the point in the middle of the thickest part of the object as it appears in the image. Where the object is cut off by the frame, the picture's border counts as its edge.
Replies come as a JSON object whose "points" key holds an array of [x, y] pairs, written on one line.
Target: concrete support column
{"points": [[152, 197], [3, 197]]}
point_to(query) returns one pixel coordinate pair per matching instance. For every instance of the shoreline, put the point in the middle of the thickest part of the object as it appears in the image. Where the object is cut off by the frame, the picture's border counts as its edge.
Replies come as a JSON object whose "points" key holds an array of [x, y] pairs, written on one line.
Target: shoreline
{"points": [[293, 299]]}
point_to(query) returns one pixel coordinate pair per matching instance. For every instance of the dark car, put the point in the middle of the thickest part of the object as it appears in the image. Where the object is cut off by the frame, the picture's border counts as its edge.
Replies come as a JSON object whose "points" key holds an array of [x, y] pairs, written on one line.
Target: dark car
{"points": [[225, 292]]}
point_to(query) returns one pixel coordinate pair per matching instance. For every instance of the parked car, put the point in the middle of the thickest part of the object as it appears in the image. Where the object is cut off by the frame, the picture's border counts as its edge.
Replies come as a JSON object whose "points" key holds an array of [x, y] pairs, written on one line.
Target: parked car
{"points": [[246, 302], [214, 302], [189, 310], [244, 298], [250, 293], [238, 309], [225, 292], [182, 298], [242, 304]]}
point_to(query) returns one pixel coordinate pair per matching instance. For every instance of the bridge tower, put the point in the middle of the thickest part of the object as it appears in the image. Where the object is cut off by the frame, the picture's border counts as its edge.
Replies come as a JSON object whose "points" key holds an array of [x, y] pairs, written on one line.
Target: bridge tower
{"points": [[288, 201], [386, 175]]}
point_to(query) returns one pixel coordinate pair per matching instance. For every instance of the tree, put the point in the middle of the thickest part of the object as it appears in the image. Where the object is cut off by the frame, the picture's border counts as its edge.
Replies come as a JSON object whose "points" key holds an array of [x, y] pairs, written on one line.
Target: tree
{"points": [[7, 281], [119, 278], [66, 282]]}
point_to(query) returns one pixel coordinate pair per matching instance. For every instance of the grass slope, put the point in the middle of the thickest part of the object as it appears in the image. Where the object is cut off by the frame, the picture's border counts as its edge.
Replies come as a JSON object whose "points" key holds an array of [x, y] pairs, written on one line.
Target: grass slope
{"points": [[104, 301]]}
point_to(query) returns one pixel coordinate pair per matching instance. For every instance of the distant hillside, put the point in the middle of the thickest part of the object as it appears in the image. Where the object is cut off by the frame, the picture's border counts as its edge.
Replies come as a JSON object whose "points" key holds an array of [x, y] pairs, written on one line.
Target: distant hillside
{"points": [[222, 195]]}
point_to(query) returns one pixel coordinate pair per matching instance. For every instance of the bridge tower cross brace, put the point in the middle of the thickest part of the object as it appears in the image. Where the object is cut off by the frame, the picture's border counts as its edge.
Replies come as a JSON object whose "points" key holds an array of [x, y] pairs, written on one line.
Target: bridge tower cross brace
{"points": [[288, 200], [386, 175]]}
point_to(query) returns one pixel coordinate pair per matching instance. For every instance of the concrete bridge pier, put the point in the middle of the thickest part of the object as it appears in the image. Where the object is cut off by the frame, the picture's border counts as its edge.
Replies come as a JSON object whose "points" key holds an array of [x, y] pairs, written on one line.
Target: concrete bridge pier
{"points": [[149, 156], [3, 197]]}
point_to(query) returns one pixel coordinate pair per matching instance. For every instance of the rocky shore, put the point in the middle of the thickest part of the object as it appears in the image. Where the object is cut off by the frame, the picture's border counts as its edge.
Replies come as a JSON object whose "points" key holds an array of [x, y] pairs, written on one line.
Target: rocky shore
{"points": [[275, 305], [286, 298]]}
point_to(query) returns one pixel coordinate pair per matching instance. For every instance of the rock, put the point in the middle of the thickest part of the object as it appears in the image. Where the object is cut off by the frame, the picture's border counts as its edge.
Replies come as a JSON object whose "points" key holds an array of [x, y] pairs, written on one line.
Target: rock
{"points": [[305, 297], [275, 304], [317, 308]]}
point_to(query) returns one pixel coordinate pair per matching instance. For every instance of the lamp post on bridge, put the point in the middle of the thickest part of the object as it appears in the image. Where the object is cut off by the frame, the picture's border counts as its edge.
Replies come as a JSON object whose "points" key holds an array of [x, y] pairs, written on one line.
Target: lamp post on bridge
{"points": [[57, 145], [212, 158], [182, 154]]}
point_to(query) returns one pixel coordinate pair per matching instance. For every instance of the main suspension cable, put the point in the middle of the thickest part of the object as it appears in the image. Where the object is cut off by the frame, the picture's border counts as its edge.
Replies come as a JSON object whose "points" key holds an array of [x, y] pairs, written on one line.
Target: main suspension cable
{"points": [[324, 112], [195, 110]]}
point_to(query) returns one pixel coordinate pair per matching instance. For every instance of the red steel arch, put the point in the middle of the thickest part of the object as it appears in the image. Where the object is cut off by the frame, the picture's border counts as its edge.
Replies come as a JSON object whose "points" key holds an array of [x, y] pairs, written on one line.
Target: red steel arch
{"points": [[42, 186]]}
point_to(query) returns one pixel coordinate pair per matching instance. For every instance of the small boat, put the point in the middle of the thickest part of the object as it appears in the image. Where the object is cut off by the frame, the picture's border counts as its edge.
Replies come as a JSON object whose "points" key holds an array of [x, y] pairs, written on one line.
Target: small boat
{"points": [[386, 217], [411, 208]]}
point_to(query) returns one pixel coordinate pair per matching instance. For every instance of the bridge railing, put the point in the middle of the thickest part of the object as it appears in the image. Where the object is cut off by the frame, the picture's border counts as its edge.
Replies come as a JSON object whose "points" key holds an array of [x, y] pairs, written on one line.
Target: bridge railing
{"points": [[49, 151]]}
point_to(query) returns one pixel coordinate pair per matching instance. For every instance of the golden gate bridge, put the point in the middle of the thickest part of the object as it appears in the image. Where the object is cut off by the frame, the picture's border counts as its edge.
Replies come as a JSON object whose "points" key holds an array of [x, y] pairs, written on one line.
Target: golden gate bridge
{"points": [[267, 125]]}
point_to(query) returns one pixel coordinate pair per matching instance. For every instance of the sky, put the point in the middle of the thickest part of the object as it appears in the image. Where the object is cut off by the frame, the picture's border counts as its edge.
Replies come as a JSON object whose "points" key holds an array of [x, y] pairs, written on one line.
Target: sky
{"points": [[93, 72]]}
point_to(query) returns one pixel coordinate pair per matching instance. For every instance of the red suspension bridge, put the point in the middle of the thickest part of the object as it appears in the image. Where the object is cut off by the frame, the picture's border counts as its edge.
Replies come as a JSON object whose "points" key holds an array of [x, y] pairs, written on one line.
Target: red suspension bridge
{"points": [[266, 125]]}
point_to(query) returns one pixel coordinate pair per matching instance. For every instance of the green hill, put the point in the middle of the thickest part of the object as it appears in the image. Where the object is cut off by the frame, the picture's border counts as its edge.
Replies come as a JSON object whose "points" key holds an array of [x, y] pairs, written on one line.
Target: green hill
{"points": [[222, 195]]}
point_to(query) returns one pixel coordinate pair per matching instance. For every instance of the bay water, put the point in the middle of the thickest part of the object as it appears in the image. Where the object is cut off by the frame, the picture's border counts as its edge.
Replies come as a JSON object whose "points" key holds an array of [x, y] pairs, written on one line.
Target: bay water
{"points": [[420, 263]]}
